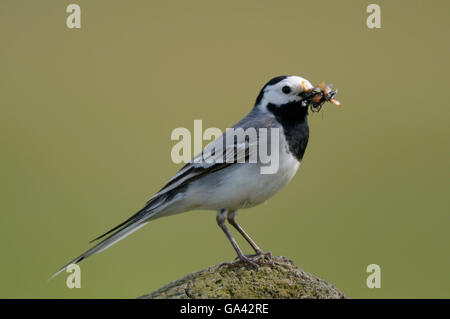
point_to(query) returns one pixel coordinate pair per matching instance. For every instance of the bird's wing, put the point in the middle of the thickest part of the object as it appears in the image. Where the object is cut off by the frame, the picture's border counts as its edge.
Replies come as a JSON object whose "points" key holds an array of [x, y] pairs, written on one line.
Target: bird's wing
{"points": [[220, 153], [224, 151]]}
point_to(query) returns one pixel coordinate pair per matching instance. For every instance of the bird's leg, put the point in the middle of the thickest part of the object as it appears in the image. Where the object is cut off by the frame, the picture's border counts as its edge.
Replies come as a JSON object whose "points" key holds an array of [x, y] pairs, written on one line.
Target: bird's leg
{"points": [[221, 216], [231, 219], [259, 252]]}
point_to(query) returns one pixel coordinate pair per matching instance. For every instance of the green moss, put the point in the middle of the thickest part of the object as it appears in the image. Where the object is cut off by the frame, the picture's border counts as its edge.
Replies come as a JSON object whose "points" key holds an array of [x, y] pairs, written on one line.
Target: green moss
{"points": [[282, 280]]}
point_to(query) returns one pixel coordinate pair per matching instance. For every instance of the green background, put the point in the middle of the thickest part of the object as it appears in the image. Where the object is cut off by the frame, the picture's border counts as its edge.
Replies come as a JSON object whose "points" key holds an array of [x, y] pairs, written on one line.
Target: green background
{"points": [[86, 117]]}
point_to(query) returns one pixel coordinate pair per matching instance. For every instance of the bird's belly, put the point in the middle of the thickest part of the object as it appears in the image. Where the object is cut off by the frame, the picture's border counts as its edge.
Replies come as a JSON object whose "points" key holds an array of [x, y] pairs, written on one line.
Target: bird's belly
{"points": [[242, 186]]}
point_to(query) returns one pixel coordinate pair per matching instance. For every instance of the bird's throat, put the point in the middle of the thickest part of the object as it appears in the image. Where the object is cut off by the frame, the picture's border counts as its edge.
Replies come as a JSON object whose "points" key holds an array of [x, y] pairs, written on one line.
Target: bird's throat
{"points": [[293, 119]]}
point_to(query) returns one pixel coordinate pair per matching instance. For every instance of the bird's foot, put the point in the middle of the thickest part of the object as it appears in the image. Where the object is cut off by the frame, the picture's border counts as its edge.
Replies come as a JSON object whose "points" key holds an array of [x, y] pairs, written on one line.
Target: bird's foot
{"points": [[262, 258], [260, 254], [241, 260], [255, 260]]}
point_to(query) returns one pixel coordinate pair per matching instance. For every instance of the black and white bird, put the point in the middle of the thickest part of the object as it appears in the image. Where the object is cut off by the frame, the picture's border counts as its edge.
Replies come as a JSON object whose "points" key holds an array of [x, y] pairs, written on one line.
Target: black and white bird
{"points": [[208, 182]]}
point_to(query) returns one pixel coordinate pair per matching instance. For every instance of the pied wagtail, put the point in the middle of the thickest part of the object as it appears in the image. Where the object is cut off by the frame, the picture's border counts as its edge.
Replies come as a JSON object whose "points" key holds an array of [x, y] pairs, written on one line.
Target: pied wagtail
{"points": [[226, 186]]}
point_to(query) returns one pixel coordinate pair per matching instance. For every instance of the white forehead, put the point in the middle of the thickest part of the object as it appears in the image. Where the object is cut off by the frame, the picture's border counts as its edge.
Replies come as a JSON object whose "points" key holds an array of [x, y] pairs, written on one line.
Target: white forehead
{"points": [[293, 81], [274, 94]]}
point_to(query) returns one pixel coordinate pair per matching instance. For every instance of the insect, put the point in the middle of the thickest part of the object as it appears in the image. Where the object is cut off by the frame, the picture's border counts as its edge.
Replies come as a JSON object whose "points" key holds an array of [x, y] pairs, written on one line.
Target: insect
{"points": [[318, 95]]}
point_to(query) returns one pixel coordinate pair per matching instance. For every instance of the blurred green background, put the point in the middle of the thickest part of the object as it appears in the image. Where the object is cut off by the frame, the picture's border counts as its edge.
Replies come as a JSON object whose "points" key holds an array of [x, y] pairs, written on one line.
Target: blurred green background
{"points": [[86, 117]]}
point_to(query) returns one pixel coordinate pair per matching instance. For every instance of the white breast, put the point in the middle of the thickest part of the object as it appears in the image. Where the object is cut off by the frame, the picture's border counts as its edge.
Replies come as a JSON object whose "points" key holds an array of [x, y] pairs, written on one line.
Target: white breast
{"points": [[241, 185]]}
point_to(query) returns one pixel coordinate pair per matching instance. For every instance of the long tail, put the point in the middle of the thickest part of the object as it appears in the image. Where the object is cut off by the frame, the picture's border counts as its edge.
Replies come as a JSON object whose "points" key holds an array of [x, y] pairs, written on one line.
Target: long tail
{"points": [[126, 228], [111, 240]]}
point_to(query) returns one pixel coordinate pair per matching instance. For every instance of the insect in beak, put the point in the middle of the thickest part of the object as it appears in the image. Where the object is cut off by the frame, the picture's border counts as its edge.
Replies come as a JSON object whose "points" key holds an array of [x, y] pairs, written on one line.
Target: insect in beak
{"points": [[335, 102], [317, 96], [326, 91]]}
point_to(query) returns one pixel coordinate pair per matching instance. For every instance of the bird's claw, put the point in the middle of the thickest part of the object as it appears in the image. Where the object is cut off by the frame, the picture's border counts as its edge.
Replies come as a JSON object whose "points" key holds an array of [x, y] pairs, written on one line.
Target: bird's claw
{"points": [[255, 260], [262, 258], [239, 260]]}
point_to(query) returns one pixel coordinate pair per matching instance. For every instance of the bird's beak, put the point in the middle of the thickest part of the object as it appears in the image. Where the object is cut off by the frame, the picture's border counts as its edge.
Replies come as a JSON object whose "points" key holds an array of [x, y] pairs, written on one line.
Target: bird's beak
{"points": [[304, 87]]}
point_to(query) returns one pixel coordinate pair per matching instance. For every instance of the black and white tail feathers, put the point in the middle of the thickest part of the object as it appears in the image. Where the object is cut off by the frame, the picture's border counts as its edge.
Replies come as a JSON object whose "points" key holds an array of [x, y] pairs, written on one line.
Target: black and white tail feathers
{"points": [[138, 220]]}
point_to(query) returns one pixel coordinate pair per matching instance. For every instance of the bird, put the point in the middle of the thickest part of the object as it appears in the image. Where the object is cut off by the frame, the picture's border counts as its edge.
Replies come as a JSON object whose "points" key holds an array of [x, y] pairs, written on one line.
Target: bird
{"points": [[213, 181]]}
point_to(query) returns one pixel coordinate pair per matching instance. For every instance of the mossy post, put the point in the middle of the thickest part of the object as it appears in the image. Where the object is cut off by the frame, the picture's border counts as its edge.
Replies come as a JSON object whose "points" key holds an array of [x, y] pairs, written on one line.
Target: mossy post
{"points": [[281, 280]]}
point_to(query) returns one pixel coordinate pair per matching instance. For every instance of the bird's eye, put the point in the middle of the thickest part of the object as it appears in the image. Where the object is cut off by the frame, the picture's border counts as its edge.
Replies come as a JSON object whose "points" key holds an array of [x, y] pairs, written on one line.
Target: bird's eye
{"points": [[286, 89]]}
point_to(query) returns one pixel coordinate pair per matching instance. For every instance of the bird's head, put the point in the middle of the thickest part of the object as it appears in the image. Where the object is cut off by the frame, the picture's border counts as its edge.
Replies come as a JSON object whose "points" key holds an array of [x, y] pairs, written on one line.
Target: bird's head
{"points": [[294, 91]]}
